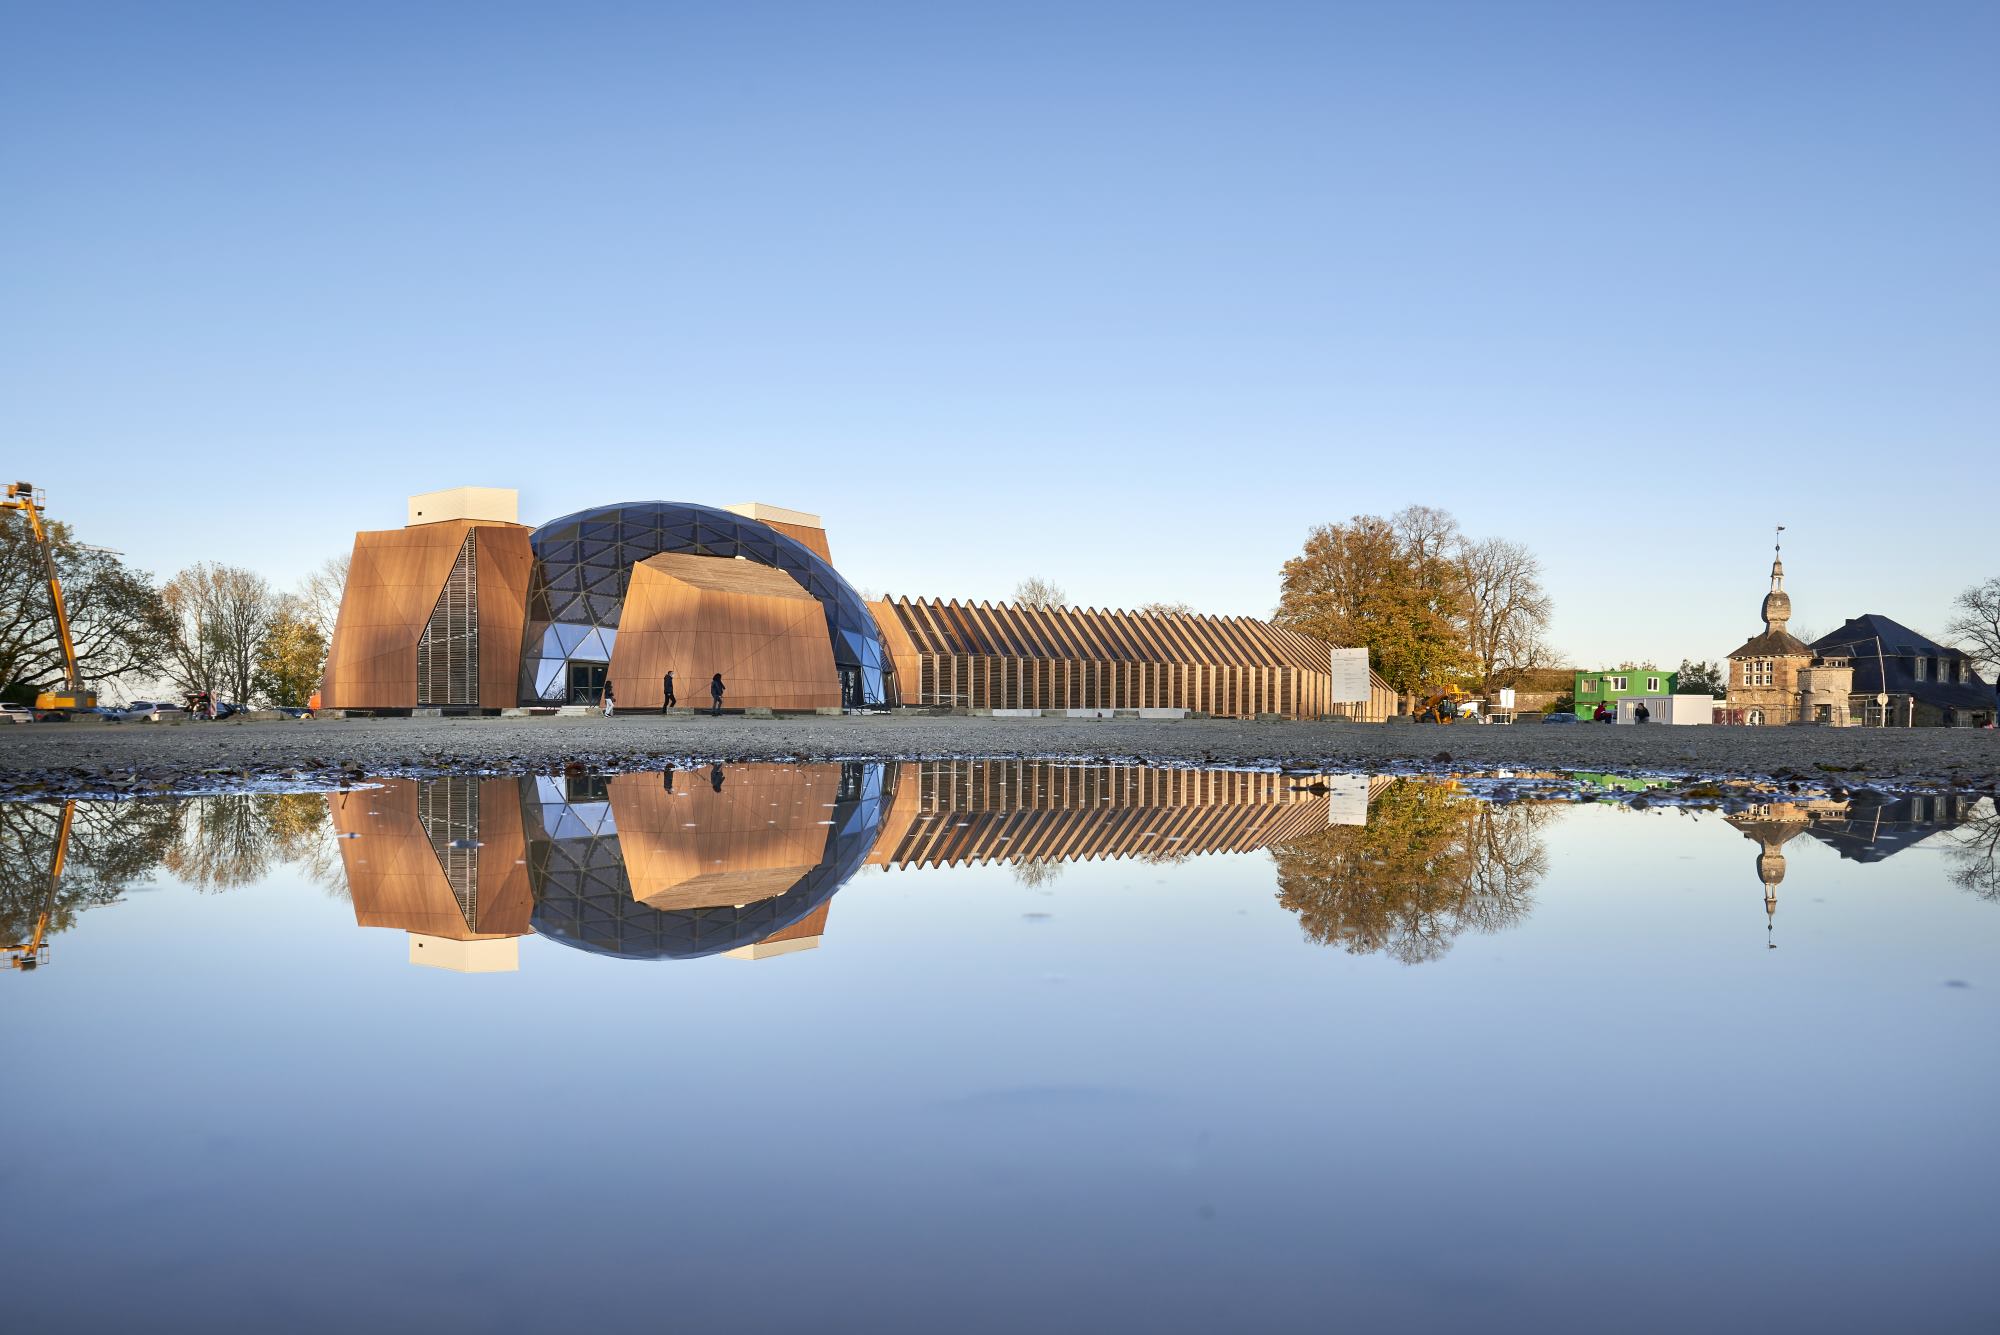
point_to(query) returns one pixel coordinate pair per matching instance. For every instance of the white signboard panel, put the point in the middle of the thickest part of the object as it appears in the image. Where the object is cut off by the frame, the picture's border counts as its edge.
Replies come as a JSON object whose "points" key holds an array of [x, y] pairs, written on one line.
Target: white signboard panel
{"points": [[1347, 799], [1350, 676]]}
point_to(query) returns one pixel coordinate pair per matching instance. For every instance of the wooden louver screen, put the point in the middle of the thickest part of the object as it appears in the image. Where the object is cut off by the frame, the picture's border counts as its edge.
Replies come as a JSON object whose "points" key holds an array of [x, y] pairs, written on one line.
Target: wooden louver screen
{"points": [[449, 811], [982, 656], [448, 652]]}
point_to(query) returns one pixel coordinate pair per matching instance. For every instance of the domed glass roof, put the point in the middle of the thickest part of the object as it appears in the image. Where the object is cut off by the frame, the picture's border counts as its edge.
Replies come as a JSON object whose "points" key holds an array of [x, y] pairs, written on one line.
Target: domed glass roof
{"points": [[583, 562], [583, 891]]}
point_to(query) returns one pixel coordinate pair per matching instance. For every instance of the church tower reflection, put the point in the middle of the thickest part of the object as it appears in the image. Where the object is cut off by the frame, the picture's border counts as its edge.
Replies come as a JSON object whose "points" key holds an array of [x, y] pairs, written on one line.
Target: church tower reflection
{"points": [[1861, 827]]}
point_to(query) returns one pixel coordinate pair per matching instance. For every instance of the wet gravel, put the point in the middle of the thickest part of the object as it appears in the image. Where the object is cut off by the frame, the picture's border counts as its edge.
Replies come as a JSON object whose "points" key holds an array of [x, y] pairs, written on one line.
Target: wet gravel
{"points": [[39, 760]]}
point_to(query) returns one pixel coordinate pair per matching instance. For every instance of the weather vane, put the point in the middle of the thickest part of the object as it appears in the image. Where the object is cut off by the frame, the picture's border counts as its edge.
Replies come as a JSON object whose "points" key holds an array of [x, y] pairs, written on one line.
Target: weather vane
{"points": [[1778, 544]]}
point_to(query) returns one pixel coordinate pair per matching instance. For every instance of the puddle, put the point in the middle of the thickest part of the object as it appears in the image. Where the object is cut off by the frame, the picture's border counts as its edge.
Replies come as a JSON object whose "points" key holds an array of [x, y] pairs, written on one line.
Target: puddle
{"points": [[1203, 1047]]}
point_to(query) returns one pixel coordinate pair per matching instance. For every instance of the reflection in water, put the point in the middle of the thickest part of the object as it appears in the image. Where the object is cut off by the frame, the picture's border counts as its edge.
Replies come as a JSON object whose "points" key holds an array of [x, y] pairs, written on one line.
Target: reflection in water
{"points": [[107, 847], [1429, 865], [745, 860], [623, 865], [1863, 827], [1974, 852], [236, 839]]}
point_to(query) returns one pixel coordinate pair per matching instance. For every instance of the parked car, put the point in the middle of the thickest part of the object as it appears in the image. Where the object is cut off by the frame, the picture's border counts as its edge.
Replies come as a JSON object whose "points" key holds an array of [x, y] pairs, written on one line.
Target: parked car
{"points": [[1560, 716], [228, 707], [16, 714], [142, 711]]}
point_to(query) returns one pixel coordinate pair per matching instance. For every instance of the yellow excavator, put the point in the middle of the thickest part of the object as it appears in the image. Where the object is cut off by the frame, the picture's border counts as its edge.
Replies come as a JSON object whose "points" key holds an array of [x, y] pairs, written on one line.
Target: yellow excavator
{"points": [[23, 497], [34, 952], [1450, 705]]}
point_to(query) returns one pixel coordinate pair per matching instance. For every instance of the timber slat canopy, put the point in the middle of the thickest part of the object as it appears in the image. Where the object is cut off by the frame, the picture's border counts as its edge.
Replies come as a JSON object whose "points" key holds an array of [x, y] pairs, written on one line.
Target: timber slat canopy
{"points": [[1000, 656]]}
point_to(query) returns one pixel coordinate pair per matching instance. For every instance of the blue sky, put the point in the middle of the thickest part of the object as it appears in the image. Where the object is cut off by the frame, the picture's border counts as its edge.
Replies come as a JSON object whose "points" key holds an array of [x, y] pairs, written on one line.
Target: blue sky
{"points": [[1124, 296]]}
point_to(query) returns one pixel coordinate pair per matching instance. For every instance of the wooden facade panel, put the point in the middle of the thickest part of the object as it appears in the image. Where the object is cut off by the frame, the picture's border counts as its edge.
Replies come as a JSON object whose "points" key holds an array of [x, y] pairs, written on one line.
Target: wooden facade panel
{"points": [[988, 656], [754, 840], [897, 639], [394, 876], [1011, 811], [699, 619], [393, 581], [814, 538], [506, 565]]}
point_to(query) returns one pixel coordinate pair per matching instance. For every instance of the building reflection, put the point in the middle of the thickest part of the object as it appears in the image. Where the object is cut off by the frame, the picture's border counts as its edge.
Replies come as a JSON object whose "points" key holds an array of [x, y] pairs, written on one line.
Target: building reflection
{"points": [[443, 860], [1861, 827], [630, 865], [744, 861]]}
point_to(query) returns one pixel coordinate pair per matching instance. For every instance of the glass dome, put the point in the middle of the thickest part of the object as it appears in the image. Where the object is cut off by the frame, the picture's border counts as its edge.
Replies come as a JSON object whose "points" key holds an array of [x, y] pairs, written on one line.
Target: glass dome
{"points": [[583, 562], [583, 893]]}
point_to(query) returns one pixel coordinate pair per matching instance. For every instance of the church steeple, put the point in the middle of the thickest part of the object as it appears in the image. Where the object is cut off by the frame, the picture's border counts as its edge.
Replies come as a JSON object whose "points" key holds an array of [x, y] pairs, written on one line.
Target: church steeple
{"points": [[1777, 610], [1771, 871]]}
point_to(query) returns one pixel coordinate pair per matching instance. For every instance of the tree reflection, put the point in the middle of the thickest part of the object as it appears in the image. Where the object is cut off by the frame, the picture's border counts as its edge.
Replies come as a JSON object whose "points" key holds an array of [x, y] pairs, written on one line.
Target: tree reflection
{"points": [[111, 845], [1974, 853], [1429, 865], [235, 839]]}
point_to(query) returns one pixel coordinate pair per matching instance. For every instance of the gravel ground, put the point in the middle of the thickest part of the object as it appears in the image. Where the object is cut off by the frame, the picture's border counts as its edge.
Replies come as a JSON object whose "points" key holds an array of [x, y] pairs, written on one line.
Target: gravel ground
{"points": [[46, 759]]}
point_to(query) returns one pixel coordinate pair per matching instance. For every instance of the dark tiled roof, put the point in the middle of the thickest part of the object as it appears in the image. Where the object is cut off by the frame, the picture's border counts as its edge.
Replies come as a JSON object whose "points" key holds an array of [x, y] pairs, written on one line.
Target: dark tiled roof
{"points": [[1773, 644], [1857, 638], [1876, 827]]}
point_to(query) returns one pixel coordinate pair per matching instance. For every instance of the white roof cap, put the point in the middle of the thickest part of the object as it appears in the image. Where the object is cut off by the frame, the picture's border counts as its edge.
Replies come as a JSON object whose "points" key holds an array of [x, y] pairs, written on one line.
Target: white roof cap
{"points": [[494, 504], [767, 514]]}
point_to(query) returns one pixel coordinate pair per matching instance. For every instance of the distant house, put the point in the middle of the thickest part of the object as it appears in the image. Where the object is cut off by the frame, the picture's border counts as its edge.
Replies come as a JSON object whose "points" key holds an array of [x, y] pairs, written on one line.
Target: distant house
{"points": [[1607, 688], [1928, 685]]}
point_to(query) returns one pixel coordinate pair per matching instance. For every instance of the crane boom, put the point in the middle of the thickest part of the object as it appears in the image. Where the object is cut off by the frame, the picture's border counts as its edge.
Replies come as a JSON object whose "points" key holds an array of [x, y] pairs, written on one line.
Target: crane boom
{"points": [[32, 953], [21, 496]]}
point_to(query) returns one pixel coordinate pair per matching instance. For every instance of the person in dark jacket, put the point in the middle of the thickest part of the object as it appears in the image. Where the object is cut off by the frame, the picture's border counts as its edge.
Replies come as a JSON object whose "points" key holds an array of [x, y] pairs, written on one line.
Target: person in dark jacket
{"points": [[715, 689], [667, 692], [1640, 713], [715, 777]]}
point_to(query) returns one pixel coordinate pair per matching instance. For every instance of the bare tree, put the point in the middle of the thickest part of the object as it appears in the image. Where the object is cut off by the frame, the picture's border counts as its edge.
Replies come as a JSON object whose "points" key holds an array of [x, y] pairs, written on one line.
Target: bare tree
{"points": [[1167, 610], [1037, 872], [1977, 625], [1035, 591], [1507, 612], [220, 614], [319, 594], [1430, 536]]}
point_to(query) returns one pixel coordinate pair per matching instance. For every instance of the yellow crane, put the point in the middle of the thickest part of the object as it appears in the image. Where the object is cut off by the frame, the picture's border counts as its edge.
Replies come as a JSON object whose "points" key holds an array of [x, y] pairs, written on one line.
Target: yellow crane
{"points": [[1450, 705], [32, 953], [21, 496]]}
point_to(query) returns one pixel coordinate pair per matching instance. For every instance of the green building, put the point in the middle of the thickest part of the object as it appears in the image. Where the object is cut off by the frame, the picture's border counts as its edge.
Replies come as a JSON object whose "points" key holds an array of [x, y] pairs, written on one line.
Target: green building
{"points": [[1592, 689]]}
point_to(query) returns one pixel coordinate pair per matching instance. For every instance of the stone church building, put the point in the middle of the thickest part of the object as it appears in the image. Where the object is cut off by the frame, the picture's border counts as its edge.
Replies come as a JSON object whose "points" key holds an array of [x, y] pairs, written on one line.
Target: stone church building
{"points": [[1764, 672]]}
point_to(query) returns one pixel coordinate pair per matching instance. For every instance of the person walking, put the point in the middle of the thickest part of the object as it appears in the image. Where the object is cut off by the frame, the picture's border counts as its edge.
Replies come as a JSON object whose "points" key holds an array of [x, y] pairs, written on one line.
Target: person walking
{"points": [[715, 776], [715, 689], [610, 702], [667, 691]]}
